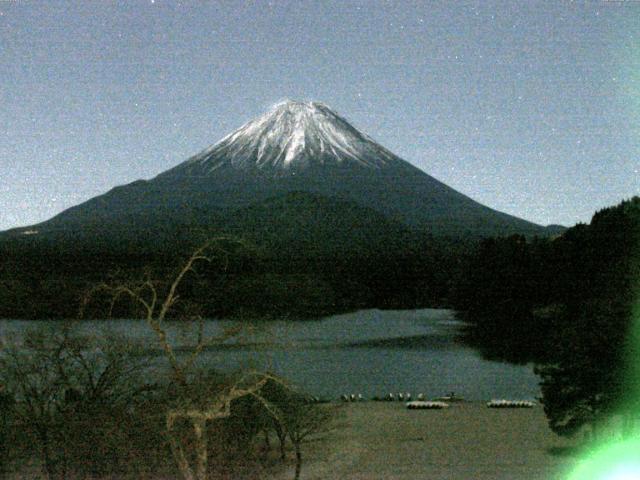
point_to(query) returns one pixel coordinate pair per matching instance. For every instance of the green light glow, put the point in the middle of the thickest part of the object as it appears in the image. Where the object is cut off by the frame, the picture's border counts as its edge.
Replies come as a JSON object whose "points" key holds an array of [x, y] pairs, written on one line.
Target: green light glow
{"points": [[619, 461]]}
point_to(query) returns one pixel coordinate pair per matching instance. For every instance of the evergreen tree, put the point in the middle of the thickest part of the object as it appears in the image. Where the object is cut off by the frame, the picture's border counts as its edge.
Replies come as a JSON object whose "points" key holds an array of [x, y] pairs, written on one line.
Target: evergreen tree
{"points": [[584, 383], [592, 373]]}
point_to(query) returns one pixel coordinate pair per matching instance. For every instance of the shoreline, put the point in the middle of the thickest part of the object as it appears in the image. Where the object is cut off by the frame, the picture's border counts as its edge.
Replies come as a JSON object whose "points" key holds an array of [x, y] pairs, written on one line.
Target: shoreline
{"points": [[468, 440]]}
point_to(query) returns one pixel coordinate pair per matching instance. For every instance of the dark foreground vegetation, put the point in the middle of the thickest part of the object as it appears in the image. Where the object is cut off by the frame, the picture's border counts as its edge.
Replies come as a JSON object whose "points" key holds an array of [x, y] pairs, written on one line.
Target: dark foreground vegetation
{"points": [[82, 407], [98, 407], [568, 304]]}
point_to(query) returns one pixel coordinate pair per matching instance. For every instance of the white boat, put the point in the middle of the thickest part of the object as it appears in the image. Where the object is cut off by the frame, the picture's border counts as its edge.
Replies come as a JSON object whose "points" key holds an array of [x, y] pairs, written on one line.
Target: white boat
{"points": [[424, 405], [502, 403]]}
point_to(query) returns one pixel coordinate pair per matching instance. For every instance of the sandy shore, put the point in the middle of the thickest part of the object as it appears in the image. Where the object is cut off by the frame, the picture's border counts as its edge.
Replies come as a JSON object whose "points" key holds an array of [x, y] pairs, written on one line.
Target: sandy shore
{"points": [[372, 440]]}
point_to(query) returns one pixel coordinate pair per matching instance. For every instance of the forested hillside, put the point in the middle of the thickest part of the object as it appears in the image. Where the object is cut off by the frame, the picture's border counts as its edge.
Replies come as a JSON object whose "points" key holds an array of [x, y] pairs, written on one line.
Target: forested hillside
{"points": [[521, 295], [298, 254]]}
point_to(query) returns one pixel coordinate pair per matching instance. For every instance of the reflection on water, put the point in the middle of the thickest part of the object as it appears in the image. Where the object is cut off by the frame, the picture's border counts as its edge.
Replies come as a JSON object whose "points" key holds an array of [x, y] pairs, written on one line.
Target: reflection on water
{"points": [[371, 352]]}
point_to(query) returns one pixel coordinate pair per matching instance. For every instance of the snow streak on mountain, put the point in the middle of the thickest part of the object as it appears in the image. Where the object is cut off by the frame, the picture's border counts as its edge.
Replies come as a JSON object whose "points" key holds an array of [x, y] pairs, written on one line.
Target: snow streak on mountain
{"points": [[291, 137]]}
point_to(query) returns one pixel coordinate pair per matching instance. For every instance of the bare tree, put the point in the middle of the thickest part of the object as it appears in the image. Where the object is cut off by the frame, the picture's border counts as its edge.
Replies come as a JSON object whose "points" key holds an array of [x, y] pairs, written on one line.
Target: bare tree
{"points": [[217, 408], [299, 416], [63, 384], [156, 305], [308, 419]]}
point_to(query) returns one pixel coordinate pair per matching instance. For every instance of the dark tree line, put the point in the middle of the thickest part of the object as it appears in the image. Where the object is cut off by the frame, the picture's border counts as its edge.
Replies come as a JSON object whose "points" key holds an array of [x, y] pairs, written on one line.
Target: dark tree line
{"points": [[566, 304], [41, 280]]}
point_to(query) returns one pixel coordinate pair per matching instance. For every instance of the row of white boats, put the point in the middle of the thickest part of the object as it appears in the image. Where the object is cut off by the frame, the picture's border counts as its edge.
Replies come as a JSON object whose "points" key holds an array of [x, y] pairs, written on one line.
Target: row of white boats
{"points": [[400, 397], [392, 397], [438, 403], [419, 405]]}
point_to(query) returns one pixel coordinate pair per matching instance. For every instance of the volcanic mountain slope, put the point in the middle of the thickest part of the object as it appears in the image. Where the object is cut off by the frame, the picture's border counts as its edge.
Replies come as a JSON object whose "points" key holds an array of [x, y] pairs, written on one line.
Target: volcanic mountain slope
{"points": [[295, 147], [301, 225]]}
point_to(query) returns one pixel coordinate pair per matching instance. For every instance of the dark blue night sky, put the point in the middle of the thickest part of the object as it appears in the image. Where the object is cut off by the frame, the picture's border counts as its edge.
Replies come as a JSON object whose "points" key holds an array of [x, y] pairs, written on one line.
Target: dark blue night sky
{"points": [[532, 108]]}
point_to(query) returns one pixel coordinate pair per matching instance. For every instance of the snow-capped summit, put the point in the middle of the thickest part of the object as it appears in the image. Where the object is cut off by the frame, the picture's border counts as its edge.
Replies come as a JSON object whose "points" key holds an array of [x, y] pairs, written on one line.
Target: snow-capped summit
{"points": [[292, 136]]}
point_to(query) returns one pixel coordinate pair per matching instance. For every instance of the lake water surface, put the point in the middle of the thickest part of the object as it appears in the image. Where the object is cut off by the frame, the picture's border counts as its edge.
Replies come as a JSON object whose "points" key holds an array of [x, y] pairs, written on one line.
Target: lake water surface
{"points": [[371, 352]]}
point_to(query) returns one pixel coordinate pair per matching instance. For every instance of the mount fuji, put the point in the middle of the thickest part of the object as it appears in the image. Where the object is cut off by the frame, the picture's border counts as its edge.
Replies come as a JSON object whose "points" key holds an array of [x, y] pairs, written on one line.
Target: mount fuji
{"points": [[297, 155]]}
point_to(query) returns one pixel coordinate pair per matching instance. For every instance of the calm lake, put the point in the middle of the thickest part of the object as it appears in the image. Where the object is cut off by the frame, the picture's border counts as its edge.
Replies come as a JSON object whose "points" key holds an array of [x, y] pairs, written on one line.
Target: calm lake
{"points": [[371, 352]]}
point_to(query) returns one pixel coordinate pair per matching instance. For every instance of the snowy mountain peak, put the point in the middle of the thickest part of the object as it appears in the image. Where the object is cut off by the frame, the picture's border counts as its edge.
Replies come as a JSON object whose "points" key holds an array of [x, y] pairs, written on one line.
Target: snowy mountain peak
{"points": [[292, 136]]}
